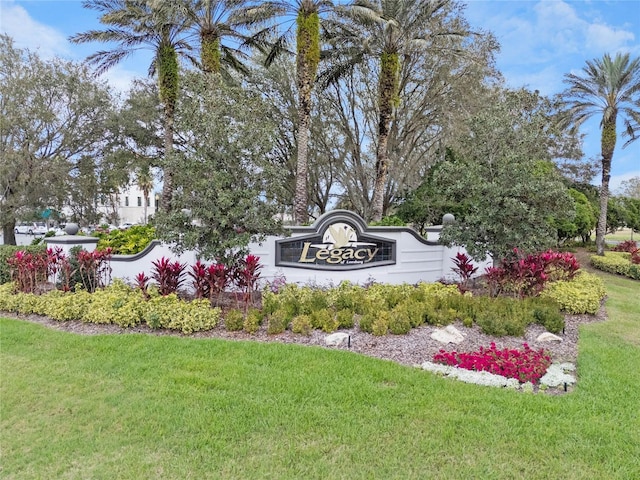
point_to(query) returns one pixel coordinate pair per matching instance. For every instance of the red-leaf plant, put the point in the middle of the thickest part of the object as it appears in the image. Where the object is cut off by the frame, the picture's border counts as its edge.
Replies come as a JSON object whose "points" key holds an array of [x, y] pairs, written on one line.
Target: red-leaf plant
{"points": [[629, 246], [198, 274], [142, 284], [246, 276], [168, 275], [526, 365], [218, 278], [528, 275], [59, 268], [464, 268], [95, 268], [28, 270]]}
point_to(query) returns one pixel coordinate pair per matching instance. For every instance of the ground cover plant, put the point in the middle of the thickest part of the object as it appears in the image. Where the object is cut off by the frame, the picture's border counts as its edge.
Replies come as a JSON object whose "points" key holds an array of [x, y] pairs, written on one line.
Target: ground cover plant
{"points": [[135, 406], [525, 365]]}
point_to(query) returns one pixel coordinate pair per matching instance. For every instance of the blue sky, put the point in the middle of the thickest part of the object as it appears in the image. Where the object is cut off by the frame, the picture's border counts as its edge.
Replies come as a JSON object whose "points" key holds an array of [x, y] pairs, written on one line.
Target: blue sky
{"points": [[541, 40]]}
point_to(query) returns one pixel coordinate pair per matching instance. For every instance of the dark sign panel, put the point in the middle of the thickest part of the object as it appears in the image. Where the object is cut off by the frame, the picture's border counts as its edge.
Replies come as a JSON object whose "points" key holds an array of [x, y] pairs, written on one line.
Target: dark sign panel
{"points": [[337, 245]]}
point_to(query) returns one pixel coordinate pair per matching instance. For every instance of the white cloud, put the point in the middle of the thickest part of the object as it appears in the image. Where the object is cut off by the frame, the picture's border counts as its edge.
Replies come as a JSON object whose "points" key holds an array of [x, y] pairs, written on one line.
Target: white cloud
{"points": [[27, 33], [603, 38], [616, 180]]}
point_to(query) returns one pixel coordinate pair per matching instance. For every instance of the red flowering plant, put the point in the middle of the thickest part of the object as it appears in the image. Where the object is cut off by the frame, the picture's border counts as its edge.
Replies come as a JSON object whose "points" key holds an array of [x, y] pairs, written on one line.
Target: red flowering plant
{"points": [[526, 365]]}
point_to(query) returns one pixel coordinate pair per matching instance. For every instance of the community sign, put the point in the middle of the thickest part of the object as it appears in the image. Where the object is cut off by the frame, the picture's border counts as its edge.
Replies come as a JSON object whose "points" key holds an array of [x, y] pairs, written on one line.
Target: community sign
{"points": [[339, 241]]}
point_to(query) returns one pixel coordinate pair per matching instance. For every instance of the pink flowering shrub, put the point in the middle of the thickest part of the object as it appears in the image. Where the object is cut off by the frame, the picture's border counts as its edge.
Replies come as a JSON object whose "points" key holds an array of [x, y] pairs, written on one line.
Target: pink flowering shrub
{"points": [[526, 365]]}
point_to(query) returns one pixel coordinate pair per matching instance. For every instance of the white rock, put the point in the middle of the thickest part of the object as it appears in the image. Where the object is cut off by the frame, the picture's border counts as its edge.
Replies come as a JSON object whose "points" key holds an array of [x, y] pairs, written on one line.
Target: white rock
{"points": [[450, 334], [548, 337], [336, 339]]}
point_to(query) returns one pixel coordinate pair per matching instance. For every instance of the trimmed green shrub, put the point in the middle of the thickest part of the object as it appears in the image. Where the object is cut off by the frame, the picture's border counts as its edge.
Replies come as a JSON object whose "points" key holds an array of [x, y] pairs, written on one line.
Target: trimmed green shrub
{"points": [[252, 321], [618, 263], [278, 322], [366, 322], [380, 325], [234, 320], [546, 312], [583, 294], [345, 318], [301, 324], [399, 323], [312, 300]]}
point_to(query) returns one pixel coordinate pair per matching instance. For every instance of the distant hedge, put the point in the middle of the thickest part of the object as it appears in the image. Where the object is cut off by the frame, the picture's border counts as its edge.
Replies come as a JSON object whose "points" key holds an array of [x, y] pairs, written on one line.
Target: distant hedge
{"points": [[7, 251], [616, 262]]}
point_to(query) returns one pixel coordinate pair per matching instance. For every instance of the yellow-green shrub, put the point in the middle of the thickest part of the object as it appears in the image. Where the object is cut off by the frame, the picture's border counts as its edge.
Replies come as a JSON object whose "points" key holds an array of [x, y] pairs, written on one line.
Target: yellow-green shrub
{"points": [[301, 324], [583, 294], [118, 303], [8, 300], [194, 316], [618, 263], [63, 306], [234, 320], [252, 321]]}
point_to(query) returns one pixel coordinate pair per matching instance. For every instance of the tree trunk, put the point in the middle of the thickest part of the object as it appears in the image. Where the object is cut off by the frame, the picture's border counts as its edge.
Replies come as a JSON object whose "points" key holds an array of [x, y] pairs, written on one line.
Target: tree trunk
{"points": [[308, 46], [608, 145], [301, 214], [9, 234], [387, 94], [167, 187], [167, 61], [210, 52]]}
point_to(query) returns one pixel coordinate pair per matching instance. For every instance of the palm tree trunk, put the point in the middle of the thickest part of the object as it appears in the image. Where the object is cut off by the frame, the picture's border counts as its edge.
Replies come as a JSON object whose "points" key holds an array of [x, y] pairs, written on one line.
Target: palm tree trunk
{"points": [[308, 45], [167, 187], [388, 93], [210, 52], [608, 145], [168, 84], [301, 214]]}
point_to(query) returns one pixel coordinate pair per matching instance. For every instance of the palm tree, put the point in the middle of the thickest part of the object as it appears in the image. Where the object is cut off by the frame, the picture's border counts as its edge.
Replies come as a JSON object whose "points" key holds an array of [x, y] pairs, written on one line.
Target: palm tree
{"points": [[307, 19], [215, 22], [141, 24], [388, 31], [606, 88], [144, 180]]}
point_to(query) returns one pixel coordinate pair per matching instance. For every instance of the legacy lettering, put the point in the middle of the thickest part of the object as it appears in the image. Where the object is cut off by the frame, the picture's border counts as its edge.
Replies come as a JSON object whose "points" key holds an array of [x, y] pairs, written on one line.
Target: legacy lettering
{"points": [[337, 255]]}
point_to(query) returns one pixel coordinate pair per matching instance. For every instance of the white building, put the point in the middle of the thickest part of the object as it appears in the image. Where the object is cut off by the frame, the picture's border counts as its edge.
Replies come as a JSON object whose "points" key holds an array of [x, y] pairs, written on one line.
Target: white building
{"points": [[129, 205]]}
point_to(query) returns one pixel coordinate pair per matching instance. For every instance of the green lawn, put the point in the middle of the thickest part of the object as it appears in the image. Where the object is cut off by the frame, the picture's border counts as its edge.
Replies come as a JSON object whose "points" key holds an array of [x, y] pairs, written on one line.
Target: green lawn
{"points": [[147, 407], [622, 235]]}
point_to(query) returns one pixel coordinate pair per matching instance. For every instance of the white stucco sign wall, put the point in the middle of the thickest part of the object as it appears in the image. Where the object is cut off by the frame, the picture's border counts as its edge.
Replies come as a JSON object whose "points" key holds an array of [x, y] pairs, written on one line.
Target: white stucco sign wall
{"points": [[338, 246]]}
